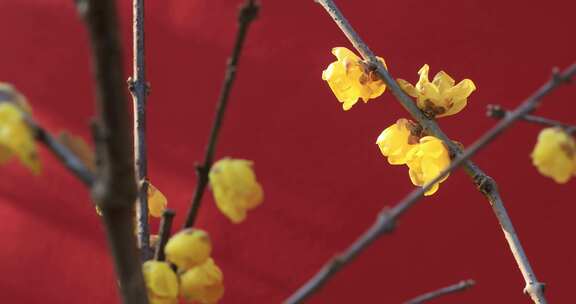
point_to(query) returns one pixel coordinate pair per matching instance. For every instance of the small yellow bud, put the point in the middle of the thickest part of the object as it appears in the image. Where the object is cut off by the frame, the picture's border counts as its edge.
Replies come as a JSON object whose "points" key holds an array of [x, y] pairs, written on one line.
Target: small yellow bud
{"points": [[396, 141], [426, 161], [203, 283], [350, 79], [235, 188], [555, 154], [16, 137], [157, 202], [161, 282], [440, 97], [188, 248]]}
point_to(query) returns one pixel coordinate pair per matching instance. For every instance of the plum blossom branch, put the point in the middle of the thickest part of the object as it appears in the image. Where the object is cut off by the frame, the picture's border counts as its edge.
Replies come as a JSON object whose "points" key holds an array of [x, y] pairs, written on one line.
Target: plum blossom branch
{"points": [[497, 112], [458, 287], [247, 14], [114, 189], [139, 88], [387, 217], [164, 234]]}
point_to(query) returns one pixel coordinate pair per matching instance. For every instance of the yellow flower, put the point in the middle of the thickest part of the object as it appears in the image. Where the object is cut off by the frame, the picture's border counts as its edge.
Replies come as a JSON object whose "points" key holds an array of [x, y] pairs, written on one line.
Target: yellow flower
{"points": [[161, 282], [396, 141], [555, 154], [440, 97], [157, 202], [235, 188], [349, 78], [188, 248], [203, 283], [426, 161], [16, 137]]}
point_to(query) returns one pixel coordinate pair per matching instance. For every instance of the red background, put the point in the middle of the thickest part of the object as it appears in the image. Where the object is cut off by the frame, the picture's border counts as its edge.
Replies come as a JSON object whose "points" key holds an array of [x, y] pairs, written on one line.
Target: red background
{"points": [[324, 177]]}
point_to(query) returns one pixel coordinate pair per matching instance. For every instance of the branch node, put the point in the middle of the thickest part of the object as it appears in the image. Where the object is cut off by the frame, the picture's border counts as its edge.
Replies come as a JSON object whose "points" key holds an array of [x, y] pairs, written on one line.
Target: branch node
{"points": [[131, 84], [387, 221], [533, 289], [495, 111], [248, 12], [485, 183]]}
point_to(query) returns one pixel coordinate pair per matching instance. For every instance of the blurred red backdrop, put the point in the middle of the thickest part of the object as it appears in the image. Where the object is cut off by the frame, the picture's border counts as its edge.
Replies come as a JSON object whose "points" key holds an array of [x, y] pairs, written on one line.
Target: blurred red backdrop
{"points": [[324, 177]]}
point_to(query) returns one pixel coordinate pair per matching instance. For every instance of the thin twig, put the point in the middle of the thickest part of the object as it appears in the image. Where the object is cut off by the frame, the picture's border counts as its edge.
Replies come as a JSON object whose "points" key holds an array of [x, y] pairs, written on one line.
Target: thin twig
{"points": [[115, 188], [387, 217], [247, 14], [164, 233], [458, 287], [63, 153], [497, 112], [138, 87]]}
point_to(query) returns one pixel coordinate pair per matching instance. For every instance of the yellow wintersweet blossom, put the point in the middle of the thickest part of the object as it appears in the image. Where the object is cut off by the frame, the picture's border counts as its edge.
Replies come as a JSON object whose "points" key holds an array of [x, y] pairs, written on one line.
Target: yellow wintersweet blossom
{"points": [[161, 282], [157, 202], [426, 161], [188, 248], [16, 137], [350, 79], [396, 141], [555, 154], [202, 284], [440, 97], [235, 187]]}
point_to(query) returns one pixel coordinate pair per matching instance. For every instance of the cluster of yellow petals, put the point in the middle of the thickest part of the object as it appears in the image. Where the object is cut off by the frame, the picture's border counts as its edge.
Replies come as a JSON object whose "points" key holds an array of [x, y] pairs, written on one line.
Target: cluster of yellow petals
{"points": [[441, 97], [235, 188], [157, 202], [425, 157], [349, 78], [555, 154], [200, 279], [161, 282]]}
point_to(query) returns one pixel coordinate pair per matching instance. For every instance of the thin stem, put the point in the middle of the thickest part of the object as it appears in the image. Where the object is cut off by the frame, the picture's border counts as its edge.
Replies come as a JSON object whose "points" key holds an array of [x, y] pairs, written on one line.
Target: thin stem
{"points": [[387, 217], [115, 187], [247, 14], [138, 87], [164, 233], [65, 155], [458, 287], [497, 112]]}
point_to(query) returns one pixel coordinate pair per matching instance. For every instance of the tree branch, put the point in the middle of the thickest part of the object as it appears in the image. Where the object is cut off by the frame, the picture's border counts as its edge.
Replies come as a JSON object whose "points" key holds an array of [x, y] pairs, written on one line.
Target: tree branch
{"points": [[387, 217], [458, 287], [164, 234], [247, 14], [115, 188], [497, 112], [138, 87]]}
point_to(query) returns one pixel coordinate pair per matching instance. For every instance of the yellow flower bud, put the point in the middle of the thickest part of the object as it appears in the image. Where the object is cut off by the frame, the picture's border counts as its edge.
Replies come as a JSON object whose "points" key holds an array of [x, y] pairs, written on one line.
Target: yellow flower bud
{"points": [[188, 248], [203, 283], [440, 97], [426, 161], [161, 282], [555, 154], [396, 141], [157, 202], [16, 138], [235, 188], [349, 78]]}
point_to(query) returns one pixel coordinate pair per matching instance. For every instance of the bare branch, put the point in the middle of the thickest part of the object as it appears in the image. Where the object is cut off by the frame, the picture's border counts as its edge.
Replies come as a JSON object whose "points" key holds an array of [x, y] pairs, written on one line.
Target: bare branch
{"points": [[139, 87], [497, 112], [115, 188], [164, 233], [458, 287], [247, 14], [387, 217]]}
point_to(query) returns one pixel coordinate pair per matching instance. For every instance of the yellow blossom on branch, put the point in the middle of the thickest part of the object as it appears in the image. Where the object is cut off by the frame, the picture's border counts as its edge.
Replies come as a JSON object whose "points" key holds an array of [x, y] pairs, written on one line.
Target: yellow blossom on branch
{"points": [[16, 137], [157, 202], [350, 79], [396, 141], [235, 187], [188, 248], [426, 161], [161, 282], [203, 283], [555, 154], [441, 97]]}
